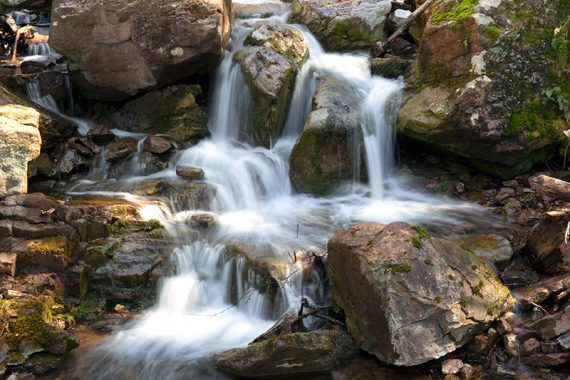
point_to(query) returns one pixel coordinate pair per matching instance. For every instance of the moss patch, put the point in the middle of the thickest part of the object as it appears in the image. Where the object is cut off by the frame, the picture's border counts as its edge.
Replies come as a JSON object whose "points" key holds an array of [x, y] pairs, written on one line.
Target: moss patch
{"points": [[461, 11], [399, 268], [49, 246]]}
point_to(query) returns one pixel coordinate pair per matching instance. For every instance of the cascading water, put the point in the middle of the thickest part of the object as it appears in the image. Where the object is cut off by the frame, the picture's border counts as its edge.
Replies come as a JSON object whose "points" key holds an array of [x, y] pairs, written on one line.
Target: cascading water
{"points": [[214, 301]]}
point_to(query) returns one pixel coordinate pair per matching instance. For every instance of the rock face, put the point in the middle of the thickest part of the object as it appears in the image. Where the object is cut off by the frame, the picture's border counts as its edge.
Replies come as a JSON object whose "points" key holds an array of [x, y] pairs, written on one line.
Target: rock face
{"points": [[343, 24], [20, 142], [118, 48], [289, 355], [322, 157], [486, 81], [170, 111], [409, 297], [270, 67]]}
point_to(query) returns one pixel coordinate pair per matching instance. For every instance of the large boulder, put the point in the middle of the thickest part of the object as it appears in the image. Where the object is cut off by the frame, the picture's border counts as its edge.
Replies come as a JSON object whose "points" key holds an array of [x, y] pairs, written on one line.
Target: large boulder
{"points": [[343, 24], [172, 111], [322, 157], [270, 67], [118, 48], [409, 297], [289, 355], [490, 82]]}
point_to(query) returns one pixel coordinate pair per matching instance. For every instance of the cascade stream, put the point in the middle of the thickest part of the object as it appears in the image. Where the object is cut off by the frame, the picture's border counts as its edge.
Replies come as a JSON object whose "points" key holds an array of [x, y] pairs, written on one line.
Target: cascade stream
{"points": [[213, 302]]}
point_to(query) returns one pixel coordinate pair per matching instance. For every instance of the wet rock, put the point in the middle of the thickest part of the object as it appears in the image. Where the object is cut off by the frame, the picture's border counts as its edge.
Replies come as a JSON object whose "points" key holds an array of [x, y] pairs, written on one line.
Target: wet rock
{"points": [[202, 221], [504, 373], [42, 165], [269, 67], [122, 148], [451, 366], [397, 284], [485, 342], [117, 50], [546, 245], [157, 144], [511, 345], [458, 100], [189, 172], [494, 248], [564, 341], [289, 355], [546, 360], [343, 24], [553, 325], [72, 162], [389, 67], [536, 293], [323, 156], [529, 347], [172, 111], [100, 134]]}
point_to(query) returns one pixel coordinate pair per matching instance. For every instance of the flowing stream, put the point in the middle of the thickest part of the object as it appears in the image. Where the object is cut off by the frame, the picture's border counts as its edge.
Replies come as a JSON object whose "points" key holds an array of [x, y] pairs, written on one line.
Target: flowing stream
{"points": [[215, 302]]}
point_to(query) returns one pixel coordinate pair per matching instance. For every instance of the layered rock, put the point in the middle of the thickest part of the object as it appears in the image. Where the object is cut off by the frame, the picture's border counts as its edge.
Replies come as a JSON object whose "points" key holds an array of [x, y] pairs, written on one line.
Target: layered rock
{"points": [[547, 247], [323, 156], [171, 111], [289, 355], [118, 48], [409, 297], [270, 67], [343, 24], [486, 82]]}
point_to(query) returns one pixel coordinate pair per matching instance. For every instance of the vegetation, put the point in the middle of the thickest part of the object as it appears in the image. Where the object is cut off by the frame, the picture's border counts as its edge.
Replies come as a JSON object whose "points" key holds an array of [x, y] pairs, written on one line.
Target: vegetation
{"points": [[462, 11]]}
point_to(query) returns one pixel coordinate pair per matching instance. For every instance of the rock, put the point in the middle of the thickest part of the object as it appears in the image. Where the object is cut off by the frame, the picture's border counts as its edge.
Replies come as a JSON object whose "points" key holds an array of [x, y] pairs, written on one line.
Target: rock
{"points": [[189, 172], [289, 355], [511, 345], [172, 111], [529, 347], [465, 93], [554, 325], [504, 373], [451, 366], [389, 67], [494, 248], [71, 162], [121, 308], [53, 253], [202, 221], [100, 134], [270, 68], [8, 263], [157, 144], [546, 360], [52, 129], [323, 156], [122, 148], [408, 297], [118, 49], [343, 24], [536, 293], [564, 341], [485, 342], [42, 165], [546, 245], [20, 142]]}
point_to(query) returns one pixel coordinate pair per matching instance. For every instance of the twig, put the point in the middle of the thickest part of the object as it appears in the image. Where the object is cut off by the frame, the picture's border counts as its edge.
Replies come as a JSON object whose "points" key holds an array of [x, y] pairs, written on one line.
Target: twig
{"points": [[540, 307]]}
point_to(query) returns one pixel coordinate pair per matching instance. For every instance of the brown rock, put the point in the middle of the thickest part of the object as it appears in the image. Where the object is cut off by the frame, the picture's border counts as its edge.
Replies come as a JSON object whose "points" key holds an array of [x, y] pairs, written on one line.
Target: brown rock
{"points": [[119, 48], [530, 346], [120, 149], [8, 263], [100, 134], [157, 144], [451, 366], [546, 245], [189, 172], [546, 360], [553, 325]]}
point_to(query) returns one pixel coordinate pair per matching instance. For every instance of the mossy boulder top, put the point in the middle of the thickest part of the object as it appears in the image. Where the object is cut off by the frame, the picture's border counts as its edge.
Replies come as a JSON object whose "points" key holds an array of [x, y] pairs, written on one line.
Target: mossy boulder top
{"points": [[490, 83], [410, 297], [343, 24]]}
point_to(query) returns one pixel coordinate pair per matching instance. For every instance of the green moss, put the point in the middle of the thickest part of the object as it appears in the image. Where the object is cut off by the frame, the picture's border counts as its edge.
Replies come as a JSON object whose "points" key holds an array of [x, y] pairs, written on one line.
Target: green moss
{"points": [[437, 299], [157, 234], [451, 277], [461, 283], [492, 33], [421, 232], [89, 308], [462, 11], [416, 241], [50, 246], [428, 262], [150, 225], [477, 289], [369, 243], [399, 268], [33, 317], [463, 302]]}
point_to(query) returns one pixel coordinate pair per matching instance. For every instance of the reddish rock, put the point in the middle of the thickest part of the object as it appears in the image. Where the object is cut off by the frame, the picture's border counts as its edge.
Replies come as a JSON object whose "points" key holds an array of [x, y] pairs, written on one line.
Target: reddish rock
{"points": [[157, 144], [100, 134], [530, 346], [547, 360], [8, 263], [120, 149]]}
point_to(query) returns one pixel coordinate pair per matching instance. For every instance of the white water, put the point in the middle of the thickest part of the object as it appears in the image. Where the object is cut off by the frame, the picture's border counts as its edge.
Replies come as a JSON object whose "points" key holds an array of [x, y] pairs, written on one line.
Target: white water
{"points": [[214, 301]]}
